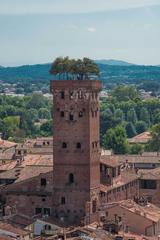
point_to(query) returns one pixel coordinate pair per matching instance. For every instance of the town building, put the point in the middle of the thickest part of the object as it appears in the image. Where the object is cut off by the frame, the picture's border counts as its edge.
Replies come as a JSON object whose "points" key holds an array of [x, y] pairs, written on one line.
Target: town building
{"points": [[76, 180], [129, 216], [150, 185]]}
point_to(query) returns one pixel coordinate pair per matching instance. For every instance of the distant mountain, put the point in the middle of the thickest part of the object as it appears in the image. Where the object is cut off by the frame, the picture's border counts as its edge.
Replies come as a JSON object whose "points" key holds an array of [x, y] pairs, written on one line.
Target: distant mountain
{"points": [[38, 74], [113, 62]]}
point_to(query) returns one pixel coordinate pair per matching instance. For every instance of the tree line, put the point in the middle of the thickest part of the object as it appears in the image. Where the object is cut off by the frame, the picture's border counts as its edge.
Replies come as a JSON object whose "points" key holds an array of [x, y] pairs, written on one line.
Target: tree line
{"points": [[123, 115], [22, 117]]}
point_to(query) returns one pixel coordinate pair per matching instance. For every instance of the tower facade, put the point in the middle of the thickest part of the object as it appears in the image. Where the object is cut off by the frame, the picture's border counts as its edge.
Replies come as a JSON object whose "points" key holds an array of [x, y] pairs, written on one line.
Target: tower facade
{"points": [[76, 149]]}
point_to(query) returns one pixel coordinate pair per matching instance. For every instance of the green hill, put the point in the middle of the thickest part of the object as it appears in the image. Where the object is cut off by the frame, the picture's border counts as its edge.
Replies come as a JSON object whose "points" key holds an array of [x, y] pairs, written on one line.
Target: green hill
{"points": [[109, 74]]}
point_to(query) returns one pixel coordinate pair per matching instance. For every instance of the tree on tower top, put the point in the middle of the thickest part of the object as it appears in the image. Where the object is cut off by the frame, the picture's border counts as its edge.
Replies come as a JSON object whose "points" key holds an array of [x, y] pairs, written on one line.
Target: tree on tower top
{"points": [[80, 69]]}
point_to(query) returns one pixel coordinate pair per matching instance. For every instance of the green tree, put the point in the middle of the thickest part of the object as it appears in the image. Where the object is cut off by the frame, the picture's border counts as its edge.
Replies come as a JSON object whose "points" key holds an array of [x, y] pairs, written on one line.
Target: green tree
{"points": [[47, 128], [131, 116], [136, 149], [130, 130], [154, 143], [36, 101], [124, 92], [118, 114], [74, 69], [44, 113], [144, 115], [141, 127], [116, 139], [10, 124]]}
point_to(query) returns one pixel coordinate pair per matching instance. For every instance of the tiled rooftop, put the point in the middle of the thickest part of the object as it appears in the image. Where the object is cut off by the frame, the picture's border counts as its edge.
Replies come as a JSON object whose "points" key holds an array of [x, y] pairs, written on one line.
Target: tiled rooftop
{"points": [[9, 227], [111, 161], [140, 138], [6, 144]]}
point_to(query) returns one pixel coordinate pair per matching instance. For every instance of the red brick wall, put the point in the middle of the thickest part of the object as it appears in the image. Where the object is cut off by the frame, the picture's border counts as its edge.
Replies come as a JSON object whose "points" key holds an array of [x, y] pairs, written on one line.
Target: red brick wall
{"points": [[82, 163], [27, 195]]}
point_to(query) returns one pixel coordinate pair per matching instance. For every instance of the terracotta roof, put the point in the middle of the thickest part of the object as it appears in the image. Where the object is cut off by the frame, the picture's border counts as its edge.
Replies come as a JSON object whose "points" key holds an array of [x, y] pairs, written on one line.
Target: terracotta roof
{"points": [[5, 238], [38, 160], [26, 172], [152, 174], [6, 144], [148, 211], [138, 159], [6, 156], [140, 138], [111, 161], [32, 171], [120, 181], [10, 174], [9, 227], [8, 166], [20, 219]]}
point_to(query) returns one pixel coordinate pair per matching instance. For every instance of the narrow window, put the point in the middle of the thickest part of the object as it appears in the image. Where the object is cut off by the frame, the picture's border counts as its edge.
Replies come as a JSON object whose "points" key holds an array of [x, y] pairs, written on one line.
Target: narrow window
{"points": [[94, 206], [71, 95], [71, 117], [62, 114], [47, 227], [47, 211], [92, 144], [71, 178], [63, 200], [38, 211], [92, 113], [43, 182], [95, 113], [64, 145], [80, 114], [80, 94], [78, 145], [62, 94]]}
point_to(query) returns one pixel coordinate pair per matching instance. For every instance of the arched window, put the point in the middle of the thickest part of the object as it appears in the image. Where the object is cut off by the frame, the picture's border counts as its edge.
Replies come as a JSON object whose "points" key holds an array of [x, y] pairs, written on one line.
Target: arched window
{"points": [[78, 145], [71, 178], [64, 145], [63, 200]]}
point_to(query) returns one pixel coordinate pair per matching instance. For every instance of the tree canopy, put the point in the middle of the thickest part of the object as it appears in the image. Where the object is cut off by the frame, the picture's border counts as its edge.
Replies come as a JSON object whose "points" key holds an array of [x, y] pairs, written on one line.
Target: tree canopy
{"points": [[79, 69]]}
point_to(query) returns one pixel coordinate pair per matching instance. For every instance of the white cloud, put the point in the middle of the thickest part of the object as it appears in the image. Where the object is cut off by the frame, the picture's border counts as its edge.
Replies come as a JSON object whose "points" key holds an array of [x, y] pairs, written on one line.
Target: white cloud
{"points": [[69, 6], [91, 29]]}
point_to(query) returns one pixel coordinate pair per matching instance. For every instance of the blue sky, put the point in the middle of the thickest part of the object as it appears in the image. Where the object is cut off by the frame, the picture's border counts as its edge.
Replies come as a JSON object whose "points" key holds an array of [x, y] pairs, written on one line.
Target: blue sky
{"points": [[37, 31]]}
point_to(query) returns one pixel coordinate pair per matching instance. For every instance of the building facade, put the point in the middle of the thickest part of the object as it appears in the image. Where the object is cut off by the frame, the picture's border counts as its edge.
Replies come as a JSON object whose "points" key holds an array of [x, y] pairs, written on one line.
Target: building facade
{"points": [[76, 175]]}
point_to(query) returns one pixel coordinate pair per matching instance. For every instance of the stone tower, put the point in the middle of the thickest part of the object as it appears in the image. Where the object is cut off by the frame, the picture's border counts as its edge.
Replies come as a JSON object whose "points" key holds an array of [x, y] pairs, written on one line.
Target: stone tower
{"points": [[76, 149]]}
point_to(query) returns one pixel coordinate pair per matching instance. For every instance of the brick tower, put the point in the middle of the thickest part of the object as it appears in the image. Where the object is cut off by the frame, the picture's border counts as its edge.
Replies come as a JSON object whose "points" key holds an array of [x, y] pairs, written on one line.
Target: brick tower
{"points": [[76, 149]]}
